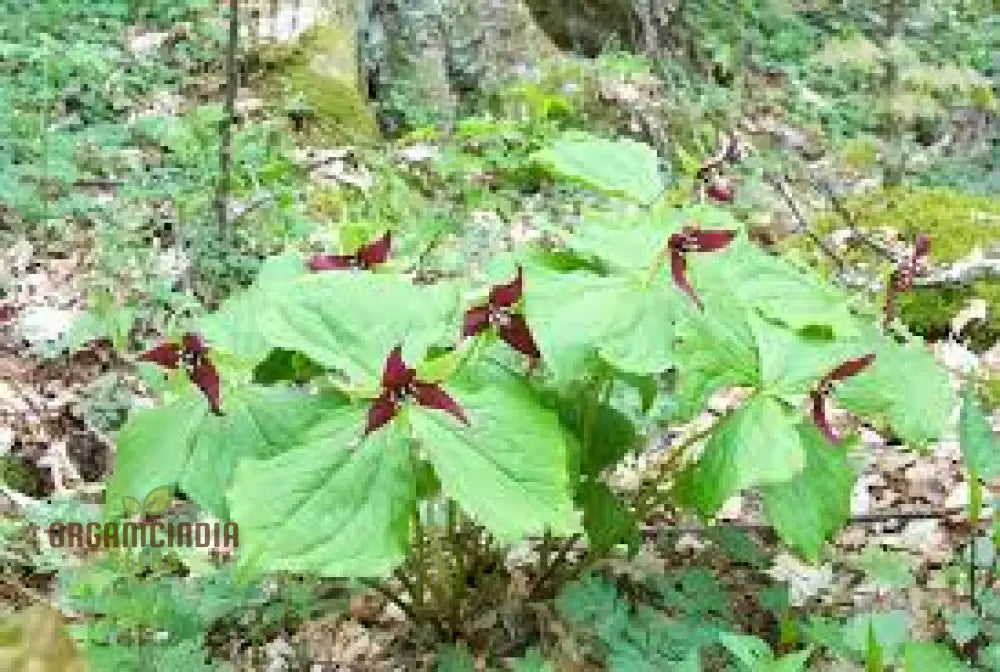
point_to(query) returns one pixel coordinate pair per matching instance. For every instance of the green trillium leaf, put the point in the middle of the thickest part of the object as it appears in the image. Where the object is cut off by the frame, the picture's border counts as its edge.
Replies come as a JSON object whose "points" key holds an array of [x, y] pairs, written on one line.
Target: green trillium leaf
{"points": [[979, 445], [184, 444], [328, 504], [905, 386], [508, 467], [759, 444], [349, 321], [621, 167], [809, 508]]}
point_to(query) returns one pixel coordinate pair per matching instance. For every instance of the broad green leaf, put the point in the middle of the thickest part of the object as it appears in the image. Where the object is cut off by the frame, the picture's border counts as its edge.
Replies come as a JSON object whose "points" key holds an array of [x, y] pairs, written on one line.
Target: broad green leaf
{"points": [[906, 386], [238, 326], [610, 434], [351, 321], [625, 241], [979, 446], [758, 444], [615, 167], [808, 509], [605, 518], [756, 655], [781, 291], [792, 364], [925, 656], [716, 349], [184, 444], [576, 316], [508, 468], [328, 505], [891, 630], [158, 500]]}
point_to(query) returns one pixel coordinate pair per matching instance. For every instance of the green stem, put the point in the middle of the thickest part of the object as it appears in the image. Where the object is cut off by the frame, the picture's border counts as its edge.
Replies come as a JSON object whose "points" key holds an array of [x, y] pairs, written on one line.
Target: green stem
{"points": [[458, 555], [647, 493], [419, 560]]}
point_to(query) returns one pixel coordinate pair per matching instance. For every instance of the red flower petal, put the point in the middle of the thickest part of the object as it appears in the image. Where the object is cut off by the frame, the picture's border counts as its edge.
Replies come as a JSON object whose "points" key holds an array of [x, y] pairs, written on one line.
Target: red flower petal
{"points": [[380, 413], [396, 374], [710, 241], [194, 344], [331, 262], [505, 296], [205, 376], [432, 396], [819, 417], [850, 368], [518, 336], [721, 190], [678, 269], [167, 355], [476, 320], [7, 312], [375, 253], [922, 247]]}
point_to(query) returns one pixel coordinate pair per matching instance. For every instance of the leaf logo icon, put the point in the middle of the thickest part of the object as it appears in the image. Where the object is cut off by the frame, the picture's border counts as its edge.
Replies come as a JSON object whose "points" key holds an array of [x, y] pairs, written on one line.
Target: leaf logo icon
{"points": [[155, 503]]}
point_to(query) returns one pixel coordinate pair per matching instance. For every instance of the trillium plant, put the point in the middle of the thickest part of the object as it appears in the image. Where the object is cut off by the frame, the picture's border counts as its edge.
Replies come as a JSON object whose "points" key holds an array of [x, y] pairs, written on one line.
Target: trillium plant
{"points": [[191, 353], [418, 440], [366, 258]]}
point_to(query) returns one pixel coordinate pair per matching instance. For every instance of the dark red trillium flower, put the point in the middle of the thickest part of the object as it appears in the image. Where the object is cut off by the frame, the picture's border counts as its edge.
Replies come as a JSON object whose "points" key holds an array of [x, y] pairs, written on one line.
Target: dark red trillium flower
{"points": [[498, 312], [192, 353], [904, 274], [818, 396], [8, 312], [721, 189], [693, 239], [367, 257], [399, 385]]}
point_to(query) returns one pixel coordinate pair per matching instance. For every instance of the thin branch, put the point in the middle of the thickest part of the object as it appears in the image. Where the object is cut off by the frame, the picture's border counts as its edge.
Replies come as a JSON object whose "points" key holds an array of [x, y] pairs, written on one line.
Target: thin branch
{"points": [[782, 189], [226, 139], [845, 214], [393, 597]]}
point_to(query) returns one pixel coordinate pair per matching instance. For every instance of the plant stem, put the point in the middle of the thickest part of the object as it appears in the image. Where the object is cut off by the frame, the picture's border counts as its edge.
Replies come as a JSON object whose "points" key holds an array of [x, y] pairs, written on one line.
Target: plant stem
{"points": [[647, 492], [418, 559], [393, 597], [458, 556]]}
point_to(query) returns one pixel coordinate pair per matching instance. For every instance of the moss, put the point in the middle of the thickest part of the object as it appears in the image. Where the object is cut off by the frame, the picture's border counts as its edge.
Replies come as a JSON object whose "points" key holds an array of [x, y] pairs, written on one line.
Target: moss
{"points": [[316, 81], [958, 222], [928, 311], [989, 392], [19, 476]]}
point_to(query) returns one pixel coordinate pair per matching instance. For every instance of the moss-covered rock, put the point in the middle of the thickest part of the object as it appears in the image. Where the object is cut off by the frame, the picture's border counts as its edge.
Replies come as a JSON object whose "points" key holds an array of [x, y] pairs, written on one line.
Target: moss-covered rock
{"points": [[316, 81], [958, 223]]}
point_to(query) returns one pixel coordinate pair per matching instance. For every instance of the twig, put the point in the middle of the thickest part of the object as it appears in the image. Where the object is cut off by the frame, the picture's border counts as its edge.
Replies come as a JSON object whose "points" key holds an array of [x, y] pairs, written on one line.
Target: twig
{"points": [[652, 531], [780, 186], [958, 273], [845, 214], [393, 597], [551, 567]]}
